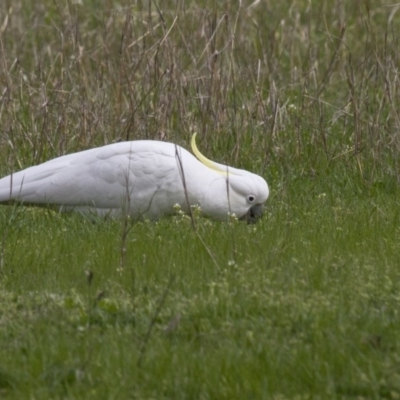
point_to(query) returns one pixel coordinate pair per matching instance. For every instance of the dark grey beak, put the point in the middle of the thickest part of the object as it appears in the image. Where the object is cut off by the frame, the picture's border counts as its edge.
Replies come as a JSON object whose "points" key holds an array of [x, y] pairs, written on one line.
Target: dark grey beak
{"points": [[254, 214]]}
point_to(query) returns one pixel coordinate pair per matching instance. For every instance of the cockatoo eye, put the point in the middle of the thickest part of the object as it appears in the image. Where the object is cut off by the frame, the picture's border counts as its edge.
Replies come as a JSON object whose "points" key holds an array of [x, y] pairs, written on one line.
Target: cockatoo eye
{"points": [[251, 198]]}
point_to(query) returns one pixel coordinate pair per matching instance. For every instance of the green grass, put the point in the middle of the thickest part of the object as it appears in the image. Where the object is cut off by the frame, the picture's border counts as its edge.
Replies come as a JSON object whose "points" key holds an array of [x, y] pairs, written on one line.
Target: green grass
{"points": [[303, 305]]}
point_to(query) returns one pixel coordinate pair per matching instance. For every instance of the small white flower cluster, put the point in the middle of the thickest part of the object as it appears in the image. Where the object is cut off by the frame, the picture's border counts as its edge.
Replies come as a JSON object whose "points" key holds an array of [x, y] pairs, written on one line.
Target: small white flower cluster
{"points": [[232, 217], [196, 211], [178, 209]]}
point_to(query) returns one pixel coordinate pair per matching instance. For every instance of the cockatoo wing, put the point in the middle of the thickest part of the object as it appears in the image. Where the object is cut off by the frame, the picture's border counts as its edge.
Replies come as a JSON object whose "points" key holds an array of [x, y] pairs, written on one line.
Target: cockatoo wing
{"points": [[141, 173]]}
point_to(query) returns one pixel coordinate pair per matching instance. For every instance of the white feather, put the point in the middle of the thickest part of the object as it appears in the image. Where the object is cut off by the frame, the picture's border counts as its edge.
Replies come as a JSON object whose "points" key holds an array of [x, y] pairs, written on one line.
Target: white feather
{"points": [[143, 178]]}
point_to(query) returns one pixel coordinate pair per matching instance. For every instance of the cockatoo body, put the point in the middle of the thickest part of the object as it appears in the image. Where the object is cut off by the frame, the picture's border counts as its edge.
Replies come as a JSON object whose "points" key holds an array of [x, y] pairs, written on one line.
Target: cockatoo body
{"points": [[142, 178]]}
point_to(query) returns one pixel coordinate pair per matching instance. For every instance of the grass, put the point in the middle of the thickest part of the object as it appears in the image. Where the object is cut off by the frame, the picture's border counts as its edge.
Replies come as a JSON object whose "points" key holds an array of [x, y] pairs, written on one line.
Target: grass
{"points": [[302, 305]]}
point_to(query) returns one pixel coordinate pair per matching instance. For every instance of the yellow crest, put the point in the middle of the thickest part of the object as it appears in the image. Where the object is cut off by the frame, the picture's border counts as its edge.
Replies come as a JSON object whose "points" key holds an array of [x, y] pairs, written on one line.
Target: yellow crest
{"points": [[204, 160]]}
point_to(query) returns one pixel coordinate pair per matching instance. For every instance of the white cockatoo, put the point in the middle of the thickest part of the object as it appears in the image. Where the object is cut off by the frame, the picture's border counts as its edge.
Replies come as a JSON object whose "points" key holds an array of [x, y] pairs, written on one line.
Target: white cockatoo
{"points": [[143, 178]]}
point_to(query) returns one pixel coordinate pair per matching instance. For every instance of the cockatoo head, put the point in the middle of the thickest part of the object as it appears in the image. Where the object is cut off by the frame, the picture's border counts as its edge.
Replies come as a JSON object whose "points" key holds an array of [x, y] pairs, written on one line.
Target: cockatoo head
{"points": [[246, 192], [247, 196]]}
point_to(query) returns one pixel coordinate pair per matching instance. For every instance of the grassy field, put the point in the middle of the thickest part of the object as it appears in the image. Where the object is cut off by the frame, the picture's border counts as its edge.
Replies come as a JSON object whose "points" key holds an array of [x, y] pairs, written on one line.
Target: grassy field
{"points": [[303, 305]]}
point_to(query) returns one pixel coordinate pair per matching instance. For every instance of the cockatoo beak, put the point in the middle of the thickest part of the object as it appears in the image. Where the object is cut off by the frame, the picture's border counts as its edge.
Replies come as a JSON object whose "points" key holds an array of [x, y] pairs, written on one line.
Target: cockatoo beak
{"points": [[254, 214]]}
